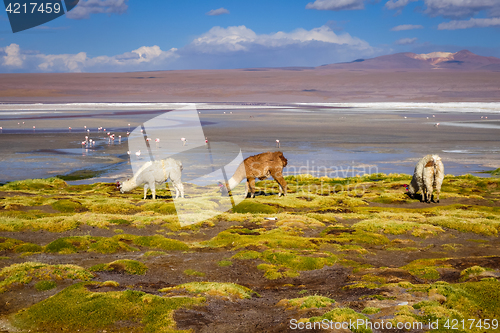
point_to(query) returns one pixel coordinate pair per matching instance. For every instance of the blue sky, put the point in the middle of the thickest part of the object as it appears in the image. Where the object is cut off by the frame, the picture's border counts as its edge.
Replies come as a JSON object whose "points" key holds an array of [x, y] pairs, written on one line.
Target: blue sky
{"points": [[132, 35]]}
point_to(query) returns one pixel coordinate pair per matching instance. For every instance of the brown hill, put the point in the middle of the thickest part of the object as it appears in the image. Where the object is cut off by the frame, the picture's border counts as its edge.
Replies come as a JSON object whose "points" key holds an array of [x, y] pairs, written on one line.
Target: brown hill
{"points": [[462, 60]]}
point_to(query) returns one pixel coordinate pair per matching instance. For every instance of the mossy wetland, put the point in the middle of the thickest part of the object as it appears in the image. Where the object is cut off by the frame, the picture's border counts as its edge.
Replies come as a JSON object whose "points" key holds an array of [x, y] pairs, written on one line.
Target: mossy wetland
{"points": [[87, 258]]}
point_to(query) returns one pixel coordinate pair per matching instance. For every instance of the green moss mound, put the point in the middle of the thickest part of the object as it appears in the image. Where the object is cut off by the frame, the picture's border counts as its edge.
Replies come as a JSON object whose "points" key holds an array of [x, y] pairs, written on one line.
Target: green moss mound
{"points": [[341, 315], [113, 244], [26, 272], [76, 309], [132, 267], [192, 272], [68, 206], [247, 206], [45, 285], [35, 184], [18, 246], [307, 302], [215, 289]]}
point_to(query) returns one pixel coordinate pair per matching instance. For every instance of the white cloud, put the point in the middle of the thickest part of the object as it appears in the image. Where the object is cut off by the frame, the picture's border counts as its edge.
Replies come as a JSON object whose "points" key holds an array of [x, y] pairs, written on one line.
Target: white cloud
{"points": [[231, 47], [143, 58], [461, 8], [13, 57], [405, 41], [472, 23], [397, 4], [62, 62], [407, 27], [336, 5], [240, 38], [217, 12], [451, 8], [87, 7]]}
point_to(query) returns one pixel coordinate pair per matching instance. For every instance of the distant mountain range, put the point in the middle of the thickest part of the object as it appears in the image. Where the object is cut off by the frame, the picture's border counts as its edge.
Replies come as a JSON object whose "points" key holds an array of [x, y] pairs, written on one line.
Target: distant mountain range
{"points": [[462, 60]]}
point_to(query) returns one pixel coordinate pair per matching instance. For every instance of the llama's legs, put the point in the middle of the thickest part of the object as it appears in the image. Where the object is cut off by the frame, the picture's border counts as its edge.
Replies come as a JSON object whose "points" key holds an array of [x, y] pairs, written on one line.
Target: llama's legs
{"points": [[181, 188], [278, 176], [145, 190], [178, 186], [438, 190], [246, 189], [153, 191], [428, 184], [251, 186]]}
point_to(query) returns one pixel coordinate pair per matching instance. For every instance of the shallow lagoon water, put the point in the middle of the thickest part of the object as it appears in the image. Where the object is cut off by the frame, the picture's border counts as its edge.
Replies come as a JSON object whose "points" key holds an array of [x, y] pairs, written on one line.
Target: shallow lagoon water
{"points": [[52, 149]]}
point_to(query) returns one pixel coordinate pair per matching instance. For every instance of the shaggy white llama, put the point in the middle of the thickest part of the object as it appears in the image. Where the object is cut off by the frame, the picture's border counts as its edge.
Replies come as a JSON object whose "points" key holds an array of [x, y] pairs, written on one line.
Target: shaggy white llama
{"points": [[429, 173], [156, 172]]}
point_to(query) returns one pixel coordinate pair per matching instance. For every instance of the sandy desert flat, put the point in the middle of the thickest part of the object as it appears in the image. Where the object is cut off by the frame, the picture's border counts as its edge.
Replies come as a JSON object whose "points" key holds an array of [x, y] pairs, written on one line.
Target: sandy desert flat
{"points": [[254, 85]]}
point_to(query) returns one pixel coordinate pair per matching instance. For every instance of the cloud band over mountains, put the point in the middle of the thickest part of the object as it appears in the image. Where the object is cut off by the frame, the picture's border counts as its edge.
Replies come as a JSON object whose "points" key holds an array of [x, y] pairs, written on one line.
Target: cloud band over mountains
{"points": [[217, 48]]}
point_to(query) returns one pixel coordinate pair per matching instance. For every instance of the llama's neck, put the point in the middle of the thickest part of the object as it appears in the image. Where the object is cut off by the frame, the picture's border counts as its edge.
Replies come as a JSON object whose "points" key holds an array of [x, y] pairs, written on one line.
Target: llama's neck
{"points": [[238, 176]]}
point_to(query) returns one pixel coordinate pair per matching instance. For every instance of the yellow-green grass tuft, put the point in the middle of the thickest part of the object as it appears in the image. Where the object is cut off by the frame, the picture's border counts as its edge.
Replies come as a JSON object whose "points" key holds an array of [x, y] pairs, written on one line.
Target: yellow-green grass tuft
{"points": [[276, 238], [68, 206], [341, 315], [214, 289], [154, 253], [426, 268], [247, 206], [45, 285], [225, 263], [284, 263], [76, 244], [26, 272], [471, 272], [35, 185], [369, 310], [78, 309], [132, 267], [396, 227], [307, 302], [192, 272], [10, 244]]}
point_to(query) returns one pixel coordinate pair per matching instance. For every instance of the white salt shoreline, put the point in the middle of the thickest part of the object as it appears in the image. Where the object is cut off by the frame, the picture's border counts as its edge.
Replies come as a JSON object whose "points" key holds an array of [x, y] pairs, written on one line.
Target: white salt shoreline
{"points": [[466, 107]]}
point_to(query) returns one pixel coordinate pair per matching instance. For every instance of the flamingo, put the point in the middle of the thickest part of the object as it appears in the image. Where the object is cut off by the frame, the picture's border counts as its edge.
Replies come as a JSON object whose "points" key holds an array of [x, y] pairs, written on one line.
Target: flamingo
{"points": [[206, 140], [128, 152], [128, 133], [120, 138], [157, 140], [129, 127], [437, 124], [183, 141], [278, 144], [138, 154], [69, 129]]}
